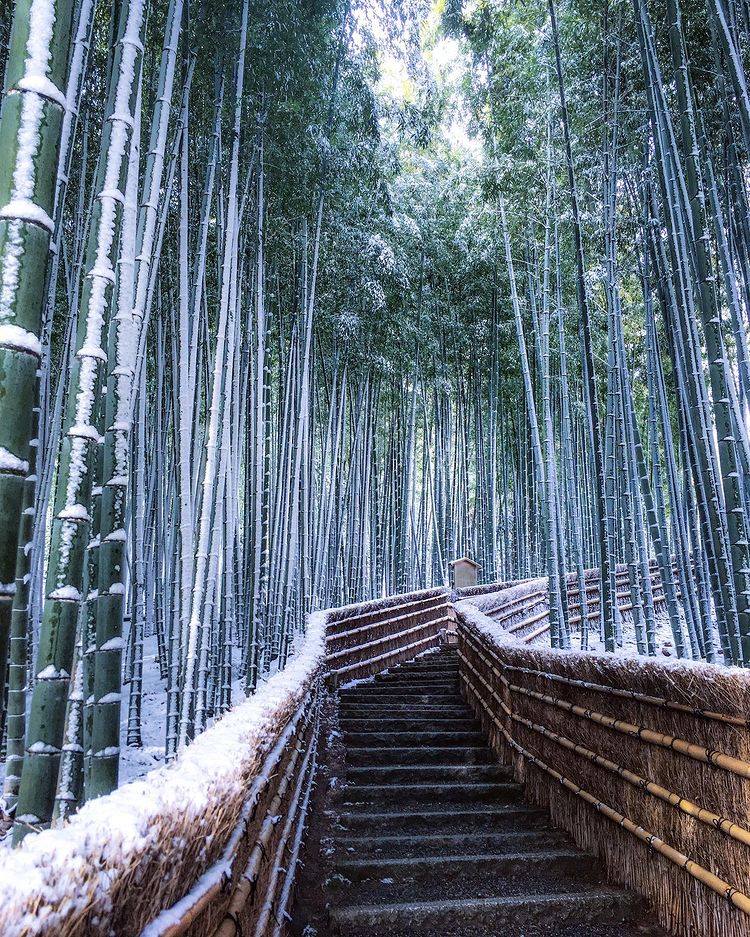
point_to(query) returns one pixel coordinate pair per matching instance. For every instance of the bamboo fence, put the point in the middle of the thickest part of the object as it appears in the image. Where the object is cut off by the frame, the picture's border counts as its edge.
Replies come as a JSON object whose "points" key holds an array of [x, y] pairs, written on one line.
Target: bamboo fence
{"points": [[646, 763], [365, 639], [193, 850]]}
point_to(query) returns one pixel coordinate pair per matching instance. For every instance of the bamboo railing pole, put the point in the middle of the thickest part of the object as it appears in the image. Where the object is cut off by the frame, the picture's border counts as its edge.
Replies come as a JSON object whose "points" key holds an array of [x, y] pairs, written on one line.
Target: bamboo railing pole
{"points": [[229, 925]]}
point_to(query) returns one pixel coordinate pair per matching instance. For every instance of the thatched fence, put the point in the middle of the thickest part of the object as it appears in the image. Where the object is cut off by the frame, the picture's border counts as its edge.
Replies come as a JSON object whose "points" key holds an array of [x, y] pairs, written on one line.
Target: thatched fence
{"points": [[370, 637], [213, 838], [522, 607], [644, 762]]}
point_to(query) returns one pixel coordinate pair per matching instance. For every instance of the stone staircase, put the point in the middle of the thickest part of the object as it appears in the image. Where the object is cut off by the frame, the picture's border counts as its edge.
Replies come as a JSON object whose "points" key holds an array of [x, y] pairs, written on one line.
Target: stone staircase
{"points": [[429, 835]]}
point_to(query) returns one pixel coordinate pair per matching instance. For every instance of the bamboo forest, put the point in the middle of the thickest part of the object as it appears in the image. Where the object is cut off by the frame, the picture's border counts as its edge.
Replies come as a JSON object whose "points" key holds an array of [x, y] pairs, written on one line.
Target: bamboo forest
{"points": [[306, 303]]}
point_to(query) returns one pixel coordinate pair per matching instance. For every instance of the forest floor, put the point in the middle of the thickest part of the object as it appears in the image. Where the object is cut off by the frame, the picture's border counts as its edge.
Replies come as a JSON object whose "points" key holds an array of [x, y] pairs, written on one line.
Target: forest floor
{"points": [[665, 644]]}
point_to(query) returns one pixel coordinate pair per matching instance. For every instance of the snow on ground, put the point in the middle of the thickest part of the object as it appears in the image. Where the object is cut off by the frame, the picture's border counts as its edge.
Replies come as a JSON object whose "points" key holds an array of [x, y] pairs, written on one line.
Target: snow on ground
{"points": [[629, 647], [665, 645], [135, 762]]}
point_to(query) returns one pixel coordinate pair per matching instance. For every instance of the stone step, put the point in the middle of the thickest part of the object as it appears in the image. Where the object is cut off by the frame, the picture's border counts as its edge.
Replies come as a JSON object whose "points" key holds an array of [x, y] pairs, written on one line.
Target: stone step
{"points": [[438, 818], [444, 685], [400, 710], [580, 912], [438, 666], [432, 700], [416, 774], [458, 880], [420, 755], [425, 739], [395, 845], [448, 687], [497, 792], [420, 725], [397, 695], [414, 674], [425, 678], [422, 874]]}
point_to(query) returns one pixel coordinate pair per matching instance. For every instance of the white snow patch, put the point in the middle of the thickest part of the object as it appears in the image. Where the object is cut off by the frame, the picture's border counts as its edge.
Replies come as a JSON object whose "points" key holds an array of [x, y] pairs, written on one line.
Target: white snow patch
{"points": [[85, 431], [65, 594], [42, 85], [42, 748], [74, 512], [111, 698], [115, 194], [23, 209], [109, 752], [11, 463], [91, 351], [114, 644], [52, 673], [13, 336]]}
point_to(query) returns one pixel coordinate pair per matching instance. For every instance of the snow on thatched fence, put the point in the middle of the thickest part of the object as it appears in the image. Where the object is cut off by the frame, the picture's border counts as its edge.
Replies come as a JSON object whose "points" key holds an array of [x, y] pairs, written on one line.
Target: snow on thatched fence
{"points": [[369, 637], [644, 762], [522, 607], [209, 844], [213, 838]]}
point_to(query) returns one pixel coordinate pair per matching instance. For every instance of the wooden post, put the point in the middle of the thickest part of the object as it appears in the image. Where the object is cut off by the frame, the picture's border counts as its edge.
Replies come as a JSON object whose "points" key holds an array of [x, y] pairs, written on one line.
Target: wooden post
{"points": [[465, 572]]}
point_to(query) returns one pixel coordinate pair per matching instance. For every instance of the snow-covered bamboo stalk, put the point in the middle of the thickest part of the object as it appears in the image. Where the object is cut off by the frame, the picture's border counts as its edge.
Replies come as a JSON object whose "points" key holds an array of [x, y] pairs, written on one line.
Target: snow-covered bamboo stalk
{"points": [[208, 499], [33, 109], [72, 519]]}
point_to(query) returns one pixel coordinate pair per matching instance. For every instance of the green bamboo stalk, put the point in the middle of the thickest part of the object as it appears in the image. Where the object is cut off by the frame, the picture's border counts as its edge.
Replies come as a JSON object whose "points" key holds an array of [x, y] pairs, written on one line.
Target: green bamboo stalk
{"points": [[31, 119], [72, 518]]}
